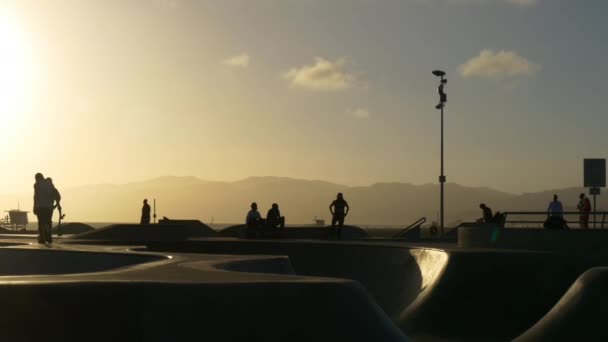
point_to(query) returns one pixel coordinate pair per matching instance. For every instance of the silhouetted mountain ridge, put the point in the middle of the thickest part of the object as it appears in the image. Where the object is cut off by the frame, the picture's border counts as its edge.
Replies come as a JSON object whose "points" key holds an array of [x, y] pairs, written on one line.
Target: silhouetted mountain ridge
{"points": [[382, 203]]}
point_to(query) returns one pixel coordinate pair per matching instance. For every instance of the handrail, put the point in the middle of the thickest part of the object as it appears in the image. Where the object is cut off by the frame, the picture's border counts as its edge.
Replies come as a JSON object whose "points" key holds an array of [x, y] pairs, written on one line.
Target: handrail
{"points": [[405, 230], [546, 214]]}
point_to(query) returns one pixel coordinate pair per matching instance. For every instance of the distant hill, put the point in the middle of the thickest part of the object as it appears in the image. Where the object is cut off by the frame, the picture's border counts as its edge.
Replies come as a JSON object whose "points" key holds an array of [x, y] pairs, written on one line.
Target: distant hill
{"points": [[300, 200]]}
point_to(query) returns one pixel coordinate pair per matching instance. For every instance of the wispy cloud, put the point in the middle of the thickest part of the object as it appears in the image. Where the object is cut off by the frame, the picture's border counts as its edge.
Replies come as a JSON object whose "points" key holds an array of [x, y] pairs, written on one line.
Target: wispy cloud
{"points": [[498, 65], [167, 3], [361, 113], [522, 3], [238, 61], [322, 75]]}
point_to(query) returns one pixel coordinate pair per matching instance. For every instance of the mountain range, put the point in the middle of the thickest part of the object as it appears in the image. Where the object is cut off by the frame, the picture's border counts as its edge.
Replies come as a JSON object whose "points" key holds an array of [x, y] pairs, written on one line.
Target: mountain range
{"points": [[300, 200]]}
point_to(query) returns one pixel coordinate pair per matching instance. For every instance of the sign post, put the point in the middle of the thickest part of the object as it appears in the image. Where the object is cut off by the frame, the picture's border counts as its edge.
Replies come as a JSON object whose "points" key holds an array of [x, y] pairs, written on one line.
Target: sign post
{"points": [[595, 178]]}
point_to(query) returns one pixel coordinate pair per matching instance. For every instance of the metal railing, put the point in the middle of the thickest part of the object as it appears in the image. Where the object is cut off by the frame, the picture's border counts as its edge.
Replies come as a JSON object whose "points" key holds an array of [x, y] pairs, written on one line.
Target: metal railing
{"points": [[405, 230], [539, 217]]}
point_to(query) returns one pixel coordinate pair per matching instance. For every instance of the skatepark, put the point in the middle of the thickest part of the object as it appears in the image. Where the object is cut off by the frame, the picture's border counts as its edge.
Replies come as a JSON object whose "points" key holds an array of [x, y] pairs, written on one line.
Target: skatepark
{"points": [[183, 282]]}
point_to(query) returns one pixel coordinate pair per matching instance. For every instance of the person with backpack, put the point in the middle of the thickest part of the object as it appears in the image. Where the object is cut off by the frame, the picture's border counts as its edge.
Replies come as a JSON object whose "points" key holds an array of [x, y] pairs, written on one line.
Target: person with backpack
{"points": [[46, 199]]}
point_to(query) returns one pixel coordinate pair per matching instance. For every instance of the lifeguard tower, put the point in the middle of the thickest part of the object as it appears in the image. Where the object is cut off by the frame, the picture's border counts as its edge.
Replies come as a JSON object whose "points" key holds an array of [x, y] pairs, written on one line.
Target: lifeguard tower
{"points": [[318, 222], [15, 220]]}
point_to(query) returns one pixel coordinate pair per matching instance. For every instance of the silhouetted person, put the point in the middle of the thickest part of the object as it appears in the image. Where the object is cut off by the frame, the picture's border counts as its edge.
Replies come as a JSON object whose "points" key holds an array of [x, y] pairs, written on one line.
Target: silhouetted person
{"points": [[274, 219], [339, 209], [487, 214], [555, 208], [46, 198], [145, 213], [584, 208], [253, 220]]}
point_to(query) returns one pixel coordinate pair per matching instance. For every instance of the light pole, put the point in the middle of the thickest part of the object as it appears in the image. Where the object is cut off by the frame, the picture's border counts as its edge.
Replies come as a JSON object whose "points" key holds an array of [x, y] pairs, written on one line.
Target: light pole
{"points": [[443, 98]]}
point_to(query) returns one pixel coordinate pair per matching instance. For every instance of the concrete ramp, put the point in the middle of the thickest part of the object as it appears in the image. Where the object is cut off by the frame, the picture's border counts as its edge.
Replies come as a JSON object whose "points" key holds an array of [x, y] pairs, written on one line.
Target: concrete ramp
{"points": [[581, 314], [75, 294], [490, 295], [141, 233], [480, 295]]}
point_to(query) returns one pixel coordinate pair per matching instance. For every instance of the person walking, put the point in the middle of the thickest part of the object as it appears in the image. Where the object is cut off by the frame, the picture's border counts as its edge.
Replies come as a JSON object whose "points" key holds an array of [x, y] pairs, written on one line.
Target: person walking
{"points": [[145, 213], [584, 208], [339, 209], [46, 199]]}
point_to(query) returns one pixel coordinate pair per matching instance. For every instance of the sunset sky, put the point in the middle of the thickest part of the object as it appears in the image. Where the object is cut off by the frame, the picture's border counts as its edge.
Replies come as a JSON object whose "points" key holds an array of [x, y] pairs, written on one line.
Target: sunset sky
{"points": [[117, 91]]}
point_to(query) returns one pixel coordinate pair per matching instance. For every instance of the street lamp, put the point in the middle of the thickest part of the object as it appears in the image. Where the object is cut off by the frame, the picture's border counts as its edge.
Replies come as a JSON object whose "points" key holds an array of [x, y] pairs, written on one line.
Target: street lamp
{"points": [[443, 98]]}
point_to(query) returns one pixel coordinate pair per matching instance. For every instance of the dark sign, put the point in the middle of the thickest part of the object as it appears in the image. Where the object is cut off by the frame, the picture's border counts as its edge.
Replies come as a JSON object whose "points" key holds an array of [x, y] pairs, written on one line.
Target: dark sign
{"points": [[595, 173]]}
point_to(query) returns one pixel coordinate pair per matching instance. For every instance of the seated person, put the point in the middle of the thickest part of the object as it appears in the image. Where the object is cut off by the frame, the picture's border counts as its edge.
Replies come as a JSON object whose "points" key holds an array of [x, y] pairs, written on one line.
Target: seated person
{"points": [[253, 220], [274, 219], [487, 214], [555, 222]]}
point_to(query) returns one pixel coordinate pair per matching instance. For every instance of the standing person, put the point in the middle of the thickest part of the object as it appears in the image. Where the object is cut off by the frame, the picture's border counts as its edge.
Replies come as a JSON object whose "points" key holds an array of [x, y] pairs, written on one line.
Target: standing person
{"points": [[46, 198], [584, 208], [339, 209], [555, 208], [253, 221], [145, 213]]}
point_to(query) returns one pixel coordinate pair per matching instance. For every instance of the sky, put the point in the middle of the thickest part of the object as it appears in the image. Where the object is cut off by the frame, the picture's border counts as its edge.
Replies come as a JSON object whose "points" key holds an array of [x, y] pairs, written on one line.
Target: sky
{"points": [[117, 91]]}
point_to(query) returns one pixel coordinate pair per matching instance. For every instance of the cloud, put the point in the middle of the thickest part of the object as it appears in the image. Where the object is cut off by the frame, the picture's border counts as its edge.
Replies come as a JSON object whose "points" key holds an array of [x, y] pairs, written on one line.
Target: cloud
{"points": [[498, 65], [360, 113], [238, 61], [479, 2], [172, 4], [322, 75], [524, 2]]}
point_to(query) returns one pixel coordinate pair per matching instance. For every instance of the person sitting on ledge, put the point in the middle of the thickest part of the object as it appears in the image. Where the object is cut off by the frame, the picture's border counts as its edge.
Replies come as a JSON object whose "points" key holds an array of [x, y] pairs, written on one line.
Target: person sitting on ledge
{"points": [[487, 214], [253, 221], [555, 208], [274, 219]]}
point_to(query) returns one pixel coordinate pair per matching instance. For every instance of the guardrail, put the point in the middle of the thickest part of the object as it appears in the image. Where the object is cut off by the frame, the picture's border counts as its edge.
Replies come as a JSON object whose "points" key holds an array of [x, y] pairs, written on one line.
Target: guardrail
{"points": [[539, 217], [404, 231]]}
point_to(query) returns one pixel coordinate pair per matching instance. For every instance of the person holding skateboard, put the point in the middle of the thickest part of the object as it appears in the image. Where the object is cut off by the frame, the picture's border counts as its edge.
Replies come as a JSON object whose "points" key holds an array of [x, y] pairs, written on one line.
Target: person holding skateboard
{"points": [[46, 199]]}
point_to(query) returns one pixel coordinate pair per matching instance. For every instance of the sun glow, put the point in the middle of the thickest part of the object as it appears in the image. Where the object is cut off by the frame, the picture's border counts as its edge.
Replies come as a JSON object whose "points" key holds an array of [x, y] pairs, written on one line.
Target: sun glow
{"points": [[15, 70]]}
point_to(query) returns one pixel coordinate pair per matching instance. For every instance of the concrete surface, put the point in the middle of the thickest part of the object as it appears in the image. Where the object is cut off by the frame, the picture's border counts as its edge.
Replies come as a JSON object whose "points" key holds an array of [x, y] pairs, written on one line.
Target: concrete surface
{"points": [[178, 298], [581, 314], [168, 286], [449, 294]]}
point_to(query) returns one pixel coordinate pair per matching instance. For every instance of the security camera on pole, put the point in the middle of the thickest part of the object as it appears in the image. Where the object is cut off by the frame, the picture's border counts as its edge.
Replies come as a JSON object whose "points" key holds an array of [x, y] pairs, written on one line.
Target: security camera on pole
{"points": [[443, 98]]}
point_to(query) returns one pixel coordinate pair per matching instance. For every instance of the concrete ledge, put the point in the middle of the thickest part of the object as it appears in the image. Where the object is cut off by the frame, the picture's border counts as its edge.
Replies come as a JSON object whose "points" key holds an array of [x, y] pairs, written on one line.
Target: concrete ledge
{"points": [[492, 236], [272, 265], [321, 233]]}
